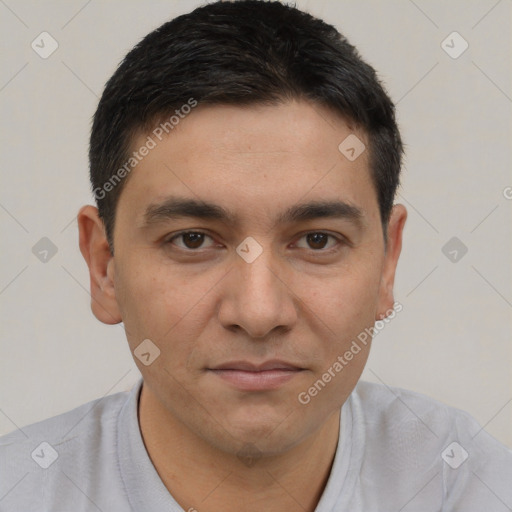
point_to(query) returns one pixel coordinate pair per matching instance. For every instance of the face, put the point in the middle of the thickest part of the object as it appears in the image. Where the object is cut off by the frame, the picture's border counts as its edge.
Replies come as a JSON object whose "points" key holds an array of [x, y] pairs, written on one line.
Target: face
{"points": [[251, 296]]}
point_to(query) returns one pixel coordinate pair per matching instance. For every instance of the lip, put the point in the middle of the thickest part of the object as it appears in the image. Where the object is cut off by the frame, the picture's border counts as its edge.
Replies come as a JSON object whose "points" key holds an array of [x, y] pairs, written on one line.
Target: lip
{"points": [[274, 364], [247, 376]]}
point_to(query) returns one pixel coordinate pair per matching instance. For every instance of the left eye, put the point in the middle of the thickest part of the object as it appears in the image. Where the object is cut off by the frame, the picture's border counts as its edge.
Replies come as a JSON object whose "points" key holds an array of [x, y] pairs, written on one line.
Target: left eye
{"points": [[318, 240]]}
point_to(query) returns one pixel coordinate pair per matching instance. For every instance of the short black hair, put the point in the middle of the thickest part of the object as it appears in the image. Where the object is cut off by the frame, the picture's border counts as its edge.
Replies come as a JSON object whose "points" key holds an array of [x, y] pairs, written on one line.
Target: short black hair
{"points": [[238, 53]]}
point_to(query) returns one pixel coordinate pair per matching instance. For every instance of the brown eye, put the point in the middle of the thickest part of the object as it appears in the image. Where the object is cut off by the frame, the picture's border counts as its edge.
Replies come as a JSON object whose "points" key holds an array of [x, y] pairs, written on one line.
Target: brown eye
{"points": [[318, 241], [193, 240], [190, 240]]}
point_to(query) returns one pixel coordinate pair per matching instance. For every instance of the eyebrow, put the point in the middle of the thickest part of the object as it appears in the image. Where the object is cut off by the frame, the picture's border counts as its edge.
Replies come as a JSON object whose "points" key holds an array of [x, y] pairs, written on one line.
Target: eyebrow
{"points": [[178, 207]]}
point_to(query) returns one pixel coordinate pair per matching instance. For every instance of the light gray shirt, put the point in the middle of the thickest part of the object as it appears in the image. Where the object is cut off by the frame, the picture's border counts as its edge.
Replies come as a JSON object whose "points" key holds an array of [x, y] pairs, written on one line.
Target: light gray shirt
{"points": [[397, 451]]}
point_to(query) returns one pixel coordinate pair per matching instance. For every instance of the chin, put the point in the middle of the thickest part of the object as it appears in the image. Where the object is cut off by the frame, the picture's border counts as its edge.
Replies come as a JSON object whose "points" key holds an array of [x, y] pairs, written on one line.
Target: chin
{"points": [[271, 434]]}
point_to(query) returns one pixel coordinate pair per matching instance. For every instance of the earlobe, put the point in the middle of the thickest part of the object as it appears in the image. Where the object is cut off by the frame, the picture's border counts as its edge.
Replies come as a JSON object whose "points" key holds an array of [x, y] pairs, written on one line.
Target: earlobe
{"points": [[96, 252], [394, 247]]}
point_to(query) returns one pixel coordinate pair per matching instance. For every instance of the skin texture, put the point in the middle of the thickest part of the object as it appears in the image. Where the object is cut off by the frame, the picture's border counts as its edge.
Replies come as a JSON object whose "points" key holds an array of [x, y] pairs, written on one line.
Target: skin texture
{"points": [[216, 446]]}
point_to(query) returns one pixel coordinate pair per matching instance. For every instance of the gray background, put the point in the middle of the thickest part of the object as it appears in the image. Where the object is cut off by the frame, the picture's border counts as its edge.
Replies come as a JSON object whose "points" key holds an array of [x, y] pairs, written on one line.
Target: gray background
{"points": [[452, 340]]}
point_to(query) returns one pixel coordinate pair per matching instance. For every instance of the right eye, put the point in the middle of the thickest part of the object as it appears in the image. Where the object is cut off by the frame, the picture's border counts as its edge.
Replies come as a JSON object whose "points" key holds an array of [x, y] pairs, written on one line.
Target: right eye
{"points": [[191, 240]]}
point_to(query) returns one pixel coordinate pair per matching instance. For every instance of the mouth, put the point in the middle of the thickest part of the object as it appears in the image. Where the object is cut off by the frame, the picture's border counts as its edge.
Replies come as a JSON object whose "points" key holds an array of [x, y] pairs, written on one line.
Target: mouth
{"points": [[247, 376]]}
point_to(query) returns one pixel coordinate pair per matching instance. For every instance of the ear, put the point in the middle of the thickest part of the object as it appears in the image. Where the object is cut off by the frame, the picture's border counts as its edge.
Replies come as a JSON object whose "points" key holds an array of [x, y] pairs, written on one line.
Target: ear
{"points": [[96, 252], [394, 246]]}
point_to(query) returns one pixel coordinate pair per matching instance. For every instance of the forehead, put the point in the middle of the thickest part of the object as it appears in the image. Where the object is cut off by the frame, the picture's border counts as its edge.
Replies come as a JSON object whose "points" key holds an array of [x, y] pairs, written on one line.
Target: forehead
{"points": [[295, 127], [254, 158]]}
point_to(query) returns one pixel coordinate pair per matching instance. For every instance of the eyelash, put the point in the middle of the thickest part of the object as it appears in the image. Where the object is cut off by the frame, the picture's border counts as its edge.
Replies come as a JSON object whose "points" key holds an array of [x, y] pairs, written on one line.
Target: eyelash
{"points": [[339, 241]]}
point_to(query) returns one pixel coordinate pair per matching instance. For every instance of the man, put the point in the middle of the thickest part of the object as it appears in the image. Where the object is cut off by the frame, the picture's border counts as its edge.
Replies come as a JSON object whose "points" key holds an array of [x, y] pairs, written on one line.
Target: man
{"points": [[244, 160]]}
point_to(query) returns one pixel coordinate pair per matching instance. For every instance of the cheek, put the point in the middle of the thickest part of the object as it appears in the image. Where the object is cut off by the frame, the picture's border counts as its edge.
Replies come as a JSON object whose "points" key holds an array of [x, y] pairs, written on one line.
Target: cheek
{"points": [[160, 302], [343, 308], [347, 297], [145, 299]]}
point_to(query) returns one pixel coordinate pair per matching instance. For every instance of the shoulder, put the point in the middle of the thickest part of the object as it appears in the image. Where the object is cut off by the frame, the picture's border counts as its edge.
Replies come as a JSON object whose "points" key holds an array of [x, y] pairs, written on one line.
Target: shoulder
{"points": [[398, 412], [417, 438], [45, 461], [87, 419], [390, 405]]}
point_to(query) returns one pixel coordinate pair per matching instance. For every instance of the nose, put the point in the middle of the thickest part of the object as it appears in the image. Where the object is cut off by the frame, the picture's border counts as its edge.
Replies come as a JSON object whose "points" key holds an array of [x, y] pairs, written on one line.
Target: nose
{"points": [[257, 298]]}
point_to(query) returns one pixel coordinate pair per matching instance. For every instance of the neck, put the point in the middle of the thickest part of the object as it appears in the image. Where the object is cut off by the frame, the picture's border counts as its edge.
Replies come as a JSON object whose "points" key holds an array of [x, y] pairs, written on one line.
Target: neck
{"points": [[203, 478]]}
